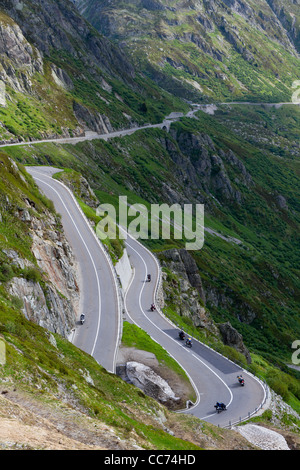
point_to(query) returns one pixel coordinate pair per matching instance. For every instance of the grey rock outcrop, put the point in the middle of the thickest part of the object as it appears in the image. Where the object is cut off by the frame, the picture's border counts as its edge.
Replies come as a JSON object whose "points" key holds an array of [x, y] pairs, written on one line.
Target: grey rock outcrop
{"points": [[48, 309], [151, 383], [19, 61], [182, 262], [53, 303], [206, 168], [233, 338], [183, 288], [92, 120]]}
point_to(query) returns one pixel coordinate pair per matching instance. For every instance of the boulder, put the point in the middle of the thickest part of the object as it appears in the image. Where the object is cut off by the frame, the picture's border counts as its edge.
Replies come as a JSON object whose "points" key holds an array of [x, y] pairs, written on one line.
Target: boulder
{"points": [[151, 383], [232, 338]]}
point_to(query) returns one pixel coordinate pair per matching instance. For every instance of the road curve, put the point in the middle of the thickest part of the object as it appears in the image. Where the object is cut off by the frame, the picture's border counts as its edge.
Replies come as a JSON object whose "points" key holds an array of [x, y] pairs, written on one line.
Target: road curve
{"points": [[213, 377], [175, 116], [99, 296]]}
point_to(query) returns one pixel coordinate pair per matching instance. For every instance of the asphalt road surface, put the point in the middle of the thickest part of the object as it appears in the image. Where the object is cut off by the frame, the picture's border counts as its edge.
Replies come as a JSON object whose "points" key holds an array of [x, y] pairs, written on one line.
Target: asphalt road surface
{"points": [[214, 377], [99, 335]]}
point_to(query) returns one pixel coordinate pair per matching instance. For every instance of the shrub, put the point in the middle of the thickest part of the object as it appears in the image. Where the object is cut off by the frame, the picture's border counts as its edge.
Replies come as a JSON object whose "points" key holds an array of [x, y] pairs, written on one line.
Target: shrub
{"points": [[279, 387], [32, 274], [6, 272]]}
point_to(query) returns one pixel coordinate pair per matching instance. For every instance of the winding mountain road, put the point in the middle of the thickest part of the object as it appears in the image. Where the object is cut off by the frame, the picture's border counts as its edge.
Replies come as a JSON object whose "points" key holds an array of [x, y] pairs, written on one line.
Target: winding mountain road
{"points": [[89, 135], [100, 301], [213, 377]]}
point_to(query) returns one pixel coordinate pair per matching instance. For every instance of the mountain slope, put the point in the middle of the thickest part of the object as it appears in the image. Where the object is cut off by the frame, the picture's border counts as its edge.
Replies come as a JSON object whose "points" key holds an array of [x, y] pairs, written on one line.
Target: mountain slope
{"points": [[62, 77], [249, 186], [53, 395], [210, 50]]}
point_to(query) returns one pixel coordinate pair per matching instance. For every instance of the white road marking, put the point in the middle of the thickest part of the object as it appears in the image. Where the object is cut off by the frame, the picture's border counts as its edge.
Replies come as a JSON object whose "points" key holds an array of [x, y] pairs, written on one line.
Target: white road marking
{"points": [[88, 251], [196, 357]]}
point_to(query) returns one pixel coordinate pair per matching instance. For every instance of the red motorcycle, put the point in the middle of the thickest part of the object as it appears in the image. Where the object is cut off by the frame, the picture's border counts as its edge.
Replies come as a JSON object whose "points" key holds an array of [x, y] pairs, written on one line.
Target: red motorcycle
{"points": [[241, 380]]}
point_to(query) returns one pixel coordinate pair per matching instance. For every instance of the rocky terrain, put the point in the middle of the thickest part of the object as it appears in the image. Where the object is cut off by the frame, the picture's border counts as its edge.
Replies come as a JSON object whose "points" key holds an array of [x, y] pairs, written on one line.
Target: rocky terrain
{"points": [[239, 294], [55, 308], [206, 50], [61, 77], [183, 290], [46, 283]]}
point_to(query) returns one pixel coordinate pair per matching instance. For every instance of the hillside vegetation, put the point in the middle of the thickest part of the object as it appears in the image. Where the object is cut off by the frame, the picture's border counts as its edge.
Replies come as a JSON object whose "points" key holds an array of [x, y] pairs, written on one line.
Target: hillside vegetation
{"points": [[62, 77], [199, 50], [250, 276], [137, 62]]}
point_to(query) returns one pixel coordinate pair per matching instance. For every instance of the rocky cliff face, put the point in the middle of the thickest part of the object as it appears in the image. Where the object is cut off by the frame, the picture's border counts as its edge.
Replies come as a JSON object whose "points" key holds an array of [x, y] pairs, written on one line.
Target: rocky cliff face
{"points": [[207, 169], [17, 54], [61, 76], [56, 26], [182, 287], [189, 47], [184, 290], [53, 301], [38, 269]]}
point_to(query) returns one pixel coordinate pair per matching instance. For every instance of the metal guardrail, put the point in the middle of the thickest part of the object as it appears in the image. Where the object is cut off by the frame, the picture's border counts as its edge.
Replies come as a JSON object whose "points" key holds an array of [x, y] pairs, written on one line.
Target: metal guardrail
{"points": [[243, 366]]}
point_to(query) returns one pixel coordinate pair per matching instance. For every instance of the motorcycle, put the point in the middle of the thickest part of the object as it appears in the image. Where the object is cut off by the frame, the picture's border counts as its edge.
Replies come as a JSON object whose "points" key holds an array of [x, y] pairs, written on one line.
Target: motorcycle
{"points": [[181, 335], [149, 278], [220, 407], [241, 380], [152, 308], [188, 343], [82, 319]]}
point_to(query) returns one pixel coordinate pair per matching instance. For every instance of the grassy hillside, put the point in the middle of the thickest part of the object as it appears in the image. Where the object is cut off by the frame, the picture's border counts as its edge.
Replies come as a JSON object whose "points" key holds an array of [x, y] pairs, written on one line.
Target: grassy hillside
{"points": [[62, 76], [36, 362], [210, 51], [54, 396], [68, 81], [258, 280]]}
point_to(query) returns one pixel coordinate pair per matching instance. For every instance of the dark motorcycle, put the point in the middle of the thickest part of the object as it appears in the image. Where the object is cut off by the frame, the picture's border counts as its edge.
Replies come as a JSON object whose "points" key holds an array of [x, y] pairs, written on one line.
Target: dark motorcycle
{"points": [[241, 381], [181, 335], [149, 278], [82, 319], [152, 308], [220, 407]]}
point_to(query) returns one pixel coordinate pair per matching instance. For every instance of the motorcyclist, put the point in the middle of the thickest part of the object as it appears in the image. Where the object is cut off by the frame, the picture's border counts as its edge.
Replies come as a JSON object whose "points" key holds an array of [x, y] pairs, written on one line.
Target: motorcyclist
{"points": [[152, 307], [220, 406], [240, 379], [181, 335], [189, 342]]}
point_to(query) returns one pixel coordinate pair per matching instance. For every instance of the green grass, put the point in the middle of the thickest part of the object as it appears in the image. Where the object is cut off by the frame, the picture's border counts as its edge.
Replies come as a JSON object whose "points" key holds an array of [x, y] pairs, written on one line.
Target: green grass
{"points": [[35, 366], [134, 337], [137, 165], [40, 370], [233, 60], [260, 278]]}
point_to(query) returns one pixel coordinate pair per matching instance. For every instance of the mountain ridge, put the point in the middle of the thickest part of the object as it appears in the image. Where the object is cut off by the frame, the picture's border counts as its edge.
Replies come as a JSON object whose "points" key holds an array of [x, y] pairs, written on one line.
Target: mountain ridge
{"points": [[242, 162], [62, 77], [203, 50]]}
